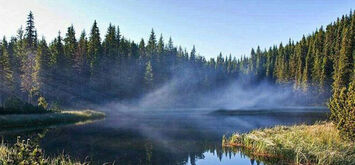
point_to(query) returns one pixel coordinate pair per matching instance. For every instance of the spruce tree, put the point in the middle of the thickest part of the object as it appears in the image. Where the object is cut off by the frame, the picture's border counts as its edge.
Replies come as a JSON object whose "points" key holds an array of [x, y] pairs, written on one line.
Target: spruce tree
{"points": [[31, 33], [193, 54], [70, 48], [40, 76], [160, 46], [94, 49], [110, 44], [343, 67], [6, 73], [152, 44]]}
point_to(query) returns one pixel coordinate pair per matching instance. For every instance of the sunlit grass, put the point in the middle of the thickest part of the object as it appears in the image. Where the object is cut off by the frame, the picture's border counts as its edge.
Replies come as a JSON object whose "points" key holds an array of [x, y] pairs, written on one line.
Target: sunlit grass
{"points": [[24, 152], [320, 143], [34, 120]]}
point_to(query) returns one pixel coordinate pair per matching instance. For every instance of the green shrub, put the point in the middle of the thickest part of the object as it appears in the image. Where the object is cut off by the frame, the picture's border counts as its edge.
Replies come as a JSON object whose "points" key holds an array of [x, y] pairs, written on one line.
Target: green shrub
{"points": [[28, 153], [342, 107]]}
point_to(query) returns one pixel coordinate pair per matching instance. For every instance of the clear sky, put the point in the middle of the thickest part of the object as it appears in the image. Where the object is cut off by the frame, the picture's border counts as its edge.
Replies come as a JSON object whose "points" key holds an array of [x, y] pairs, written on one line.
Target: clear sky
{"points": [[213, 26]]}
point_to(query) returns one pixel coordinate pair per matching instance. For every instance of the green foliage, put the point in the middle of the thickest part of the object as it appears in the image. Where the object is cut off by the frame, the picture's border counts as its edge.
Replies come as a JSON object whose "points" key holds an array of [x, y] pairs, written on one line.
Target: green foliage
{"points": [[6, 72], [342, 107], [31, 33], [94, 48], [42, 102], [14, 105], [69, 70], [27, 153]]}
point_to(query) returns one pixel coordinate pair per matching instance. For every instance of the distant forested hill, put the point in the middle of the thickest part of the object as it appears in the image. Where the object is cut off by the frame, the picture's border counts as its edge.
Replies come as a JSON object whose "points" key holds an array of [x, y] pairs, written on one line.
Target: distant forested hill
{"points": [[70, 69]]}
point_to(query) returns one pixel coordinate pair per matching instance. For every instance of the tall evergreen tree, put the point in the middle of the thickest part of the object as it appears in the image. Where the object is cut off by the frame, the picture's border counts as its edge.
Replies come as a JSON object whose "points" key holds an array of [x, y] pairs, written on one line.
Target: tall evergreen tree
{"points": [[343, 65], [6, 73], [94, 48], [70, 48], [31, 33], [40, 75], [152, 44]]}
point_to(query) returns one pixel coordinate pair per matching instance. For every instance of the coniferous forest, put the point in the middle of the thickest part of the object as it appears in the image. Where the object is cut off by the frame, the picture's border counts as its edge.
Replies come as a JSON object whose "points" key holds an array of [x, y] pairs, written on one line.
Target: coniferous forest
{"points": [[94, 69], [105, 98]]}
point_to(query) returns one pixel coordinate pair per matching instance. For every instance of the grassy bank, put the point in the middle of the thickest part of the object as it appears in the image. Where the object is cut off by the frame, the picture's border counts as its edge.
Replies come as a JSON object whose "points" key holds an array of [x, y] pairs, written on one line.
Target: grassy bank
{"points": [[47, 119], [24, 152], [320, 143]]}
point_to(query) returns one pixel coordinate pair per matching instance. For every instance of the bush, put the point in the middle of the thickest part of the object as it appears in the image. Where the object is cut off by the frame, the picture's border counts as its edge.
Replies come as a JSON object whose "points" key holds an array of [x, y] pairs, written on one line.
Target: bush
{"points": [[42, 102], [342, 107]]}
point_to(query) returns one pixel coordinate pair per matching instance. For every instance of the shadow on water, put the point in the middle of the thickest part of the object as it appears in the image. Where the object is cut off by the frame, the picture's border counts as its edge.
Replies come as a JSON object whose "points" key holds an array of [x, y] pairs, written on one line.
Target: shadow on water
{"points": [[184, 137]]}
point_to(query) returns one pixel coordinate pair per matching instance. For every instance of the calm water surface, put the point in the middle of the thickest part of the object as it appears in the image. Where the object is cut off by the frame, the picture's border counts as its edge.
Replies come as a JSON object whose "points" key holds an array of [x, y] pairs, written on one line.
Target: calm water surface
{"points": [[188, 136]]}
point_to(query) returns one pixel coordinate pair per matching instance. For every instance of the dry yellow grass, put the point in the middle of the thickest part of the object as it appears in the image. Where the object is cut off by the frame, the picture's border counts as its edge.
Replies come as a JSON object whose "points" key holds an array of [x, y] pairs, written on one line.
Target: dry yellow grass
{"points": [[24, 152], [320, 143]]}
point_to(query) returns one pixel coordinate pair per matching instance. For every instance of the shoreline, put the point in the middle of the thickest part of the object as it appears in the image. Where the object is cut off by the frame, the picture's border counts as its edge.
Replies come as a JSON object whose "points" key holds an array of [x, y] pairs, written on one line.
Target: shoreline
{"points": [[13, 121], [320, 143]]}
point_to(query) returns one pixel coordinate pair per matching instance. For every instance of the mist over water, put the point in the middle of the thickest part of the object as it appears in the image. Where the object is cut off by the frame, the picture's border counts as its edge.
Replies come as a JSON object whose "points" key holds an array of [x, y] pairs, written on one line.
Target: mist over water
{"points": [[236, 94], [173, 124]]}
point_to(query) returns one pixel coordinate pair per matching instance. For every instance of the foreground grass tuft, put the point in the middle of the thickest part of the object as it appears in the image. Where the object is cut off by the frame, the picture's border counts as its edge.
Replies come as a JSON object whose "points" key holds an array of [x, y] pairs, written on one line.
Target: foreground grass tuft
{"points": [[24, 152], [47, 119], [320, 143]]}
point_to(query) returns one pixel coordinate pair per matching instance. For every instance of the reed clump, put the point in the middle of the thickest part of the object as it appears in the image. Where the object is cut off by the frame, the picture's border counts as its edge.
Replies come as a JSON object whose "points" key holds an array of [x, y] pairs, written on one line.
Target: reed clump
{"points": [[320, 143]]}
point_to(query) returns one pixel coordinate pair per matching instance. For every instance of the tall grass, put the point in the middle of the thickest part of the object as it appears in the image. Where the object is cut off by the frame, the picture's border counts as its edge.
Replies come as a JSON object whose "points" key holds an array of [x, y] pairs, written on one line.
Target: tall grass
{"points": [[320, 143], [26, 153]]}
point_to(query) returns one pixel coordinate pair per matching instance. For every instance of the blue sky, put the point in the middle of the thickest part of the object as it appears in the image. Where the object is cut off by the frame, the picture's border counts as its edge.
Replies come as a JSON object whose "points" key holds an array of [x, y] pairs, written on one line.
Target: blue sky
{"points": [[212, 26]]}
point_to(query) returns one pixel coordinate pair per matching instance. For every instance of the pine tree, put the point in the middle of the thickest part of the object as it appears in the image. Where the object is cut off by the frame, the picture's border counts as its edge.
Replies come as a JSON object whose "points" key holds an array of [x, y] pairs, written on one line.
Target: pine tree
{"points": [[160, 46], [307, 67], [193, 54], [58, 59], [94, 49], [82, 65], [81, 62], [40, 75], [300, 54], [343, 66], [6, 73], [152, 44], [70, 48], [31, 33], [318, 58], [342, 110], [110, 44]]}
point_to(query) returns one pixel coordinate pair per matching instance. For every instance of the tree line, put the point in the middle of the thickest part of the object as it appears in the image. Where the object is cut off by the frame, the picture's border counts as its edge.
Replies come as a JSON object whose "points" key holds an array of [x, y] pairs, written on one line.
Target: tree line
{"points": [[70, 69]]}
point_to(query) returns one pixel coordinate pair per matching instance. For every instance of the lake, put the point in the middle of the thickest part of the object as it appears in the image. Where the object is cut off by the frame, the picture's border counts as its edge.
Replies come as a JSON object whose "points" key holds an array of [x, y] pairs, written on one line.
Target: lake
{"points": [[179, 136]]}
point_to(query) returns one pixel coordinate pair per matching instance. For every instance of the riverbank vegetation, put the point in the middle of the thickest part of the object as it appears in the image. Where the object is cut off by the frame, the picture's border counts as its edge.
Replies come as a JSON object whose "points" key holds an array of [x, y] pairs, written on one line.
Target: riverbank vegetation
{"points": [[25, 152], [14, 105], [48, 119], [321, 143]]}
